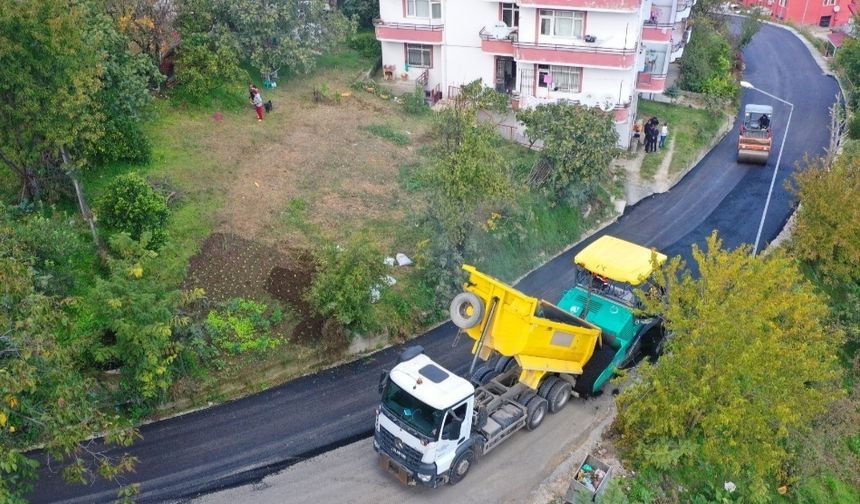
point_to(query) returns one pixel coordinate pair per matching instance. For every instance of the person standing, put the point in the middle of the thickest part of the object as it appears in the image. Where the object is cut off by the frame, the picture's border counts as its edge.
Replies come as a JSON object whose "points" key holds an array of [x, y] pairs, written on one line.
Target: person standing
{"points": [[664, 132], [258, 105], [648, 130]]}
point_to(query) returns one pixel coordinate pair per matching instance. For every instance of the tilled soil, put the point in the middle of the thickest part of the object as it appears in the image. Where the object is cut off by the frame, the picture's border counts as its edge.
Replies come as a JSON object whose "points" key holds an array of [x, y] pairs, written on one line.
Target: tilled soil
{"points": [[229, 266]]}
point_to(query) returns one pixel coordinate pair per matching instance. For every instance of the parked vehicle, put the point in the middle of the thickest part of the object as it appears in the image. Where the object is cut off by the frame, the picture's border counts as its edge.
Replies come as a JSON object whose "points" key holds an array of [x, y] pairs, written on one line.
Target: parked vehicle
{"points": [[432, 425]]}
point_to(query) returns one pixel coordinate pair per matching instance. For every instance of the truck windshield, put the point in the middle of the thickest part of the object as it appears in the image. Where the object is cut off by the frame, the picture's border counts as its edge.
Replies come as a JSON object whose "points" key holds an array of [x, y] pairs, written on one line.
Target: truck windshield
{"points": [[411, 411], [618, 291]]}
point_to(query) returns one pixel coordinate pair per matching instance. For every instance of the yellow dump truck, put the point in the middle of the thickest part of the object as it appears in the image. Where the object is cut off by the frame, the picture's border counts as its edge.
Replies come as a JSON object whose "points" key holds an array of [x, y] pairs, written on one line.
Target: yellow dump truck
{"points": [[432, 424]]}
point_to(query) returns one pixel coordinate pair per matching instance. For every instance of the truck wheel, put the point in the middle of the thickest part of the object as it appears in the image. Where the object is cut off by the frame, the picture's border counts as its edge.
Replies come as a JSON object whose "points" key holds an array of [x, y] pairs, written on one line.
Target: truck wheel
{"points": [[536, 407], [460, 466], [466, 310], [558, 396], [598, 362], [502, 363], [488, 377], [546, 386], [479, 374]]}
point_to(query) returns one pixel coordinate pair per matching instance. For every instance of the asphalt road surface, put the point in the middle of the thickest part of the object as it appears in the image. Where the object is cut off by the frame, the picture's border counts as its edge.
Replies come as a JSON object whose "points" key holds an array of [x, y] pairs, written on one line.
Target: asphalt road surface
{"points": [[244, 440]]}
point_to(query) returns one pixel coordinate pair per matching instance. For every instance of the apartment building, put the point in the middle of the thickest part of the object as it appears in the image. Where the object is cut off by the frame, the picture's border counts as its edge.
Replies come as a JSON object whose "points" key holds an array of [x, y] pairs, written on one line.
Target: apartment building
{"points": [[600, 53], [824, 13]]}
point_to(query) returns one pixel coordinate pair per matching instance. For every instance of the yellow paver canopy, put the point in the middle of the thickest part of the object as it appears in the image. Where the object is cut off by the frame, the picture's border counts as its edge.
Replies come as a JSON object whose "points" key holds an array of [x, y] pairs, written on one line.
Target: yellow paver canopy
{"points": [[618, 260]]}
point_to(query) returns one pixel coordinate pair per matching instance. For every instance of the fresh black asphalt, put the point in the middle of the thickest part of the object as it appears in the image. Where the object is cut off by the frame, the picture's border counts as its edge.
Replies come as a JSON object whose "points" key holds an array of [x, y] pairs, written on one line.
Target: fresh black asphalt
{"points": [[246, 439]]}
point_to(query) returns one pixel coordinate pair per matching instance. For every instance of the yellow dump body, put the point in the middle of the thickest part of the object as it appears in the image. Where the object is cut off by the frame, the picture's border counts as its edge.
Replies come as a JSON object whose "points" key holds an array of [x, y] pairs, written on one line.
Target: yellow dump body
{"points": [[542, 337]]}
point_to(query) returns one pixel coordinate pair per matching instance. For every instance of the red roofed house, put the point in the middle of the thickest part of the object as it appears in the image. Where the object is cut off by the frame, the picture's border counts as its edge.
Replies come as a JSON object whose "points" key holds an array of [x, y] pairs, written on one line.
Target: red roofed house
{"points": [[824, 13]]}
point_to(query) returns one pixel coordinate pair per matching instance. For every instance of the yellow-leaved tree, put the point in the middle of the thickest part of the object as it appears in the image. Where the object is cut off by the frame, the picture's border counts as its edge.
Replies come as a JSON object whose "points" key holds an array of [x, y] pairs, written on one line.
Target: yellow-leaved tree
{"points": [[751, 361]]}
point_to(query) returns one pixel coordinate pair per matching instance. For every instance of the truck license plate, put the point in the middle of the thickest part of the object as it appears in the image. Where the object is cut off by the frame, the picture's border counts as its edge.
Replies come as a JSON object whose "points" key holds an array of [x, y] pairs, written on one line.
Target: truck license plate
{"points": [[394, 468]]}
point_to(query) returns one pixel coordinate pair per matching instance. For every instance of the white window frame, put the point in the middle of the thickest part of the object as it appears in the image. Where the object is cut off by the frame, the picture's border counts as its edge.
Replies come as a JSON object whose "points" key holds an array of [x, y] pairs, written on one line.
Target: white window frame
{"points": [[425, 50], [572, 74], [828, 3], [432, 9], [552, 20], [514, 11]]}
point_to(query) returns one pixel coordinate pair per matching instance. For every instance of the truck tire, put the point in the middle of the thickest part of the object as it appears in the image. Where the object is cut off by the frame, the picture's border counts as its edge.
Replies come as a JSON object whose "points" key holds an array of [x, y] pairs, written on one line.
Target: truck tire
{"points": [[466, 310], [488, 377], [558, 396], [593, 368], [537, 407], [461, 465], [479, 373], [546, 386]]}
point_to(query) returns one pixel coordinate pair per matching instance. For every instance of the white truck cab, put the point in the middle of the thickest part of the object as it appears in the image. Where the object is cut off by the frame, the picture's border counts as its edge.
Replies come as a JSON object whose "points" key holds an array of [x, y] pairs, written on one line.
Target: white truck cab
{"points": [[424, 422]]}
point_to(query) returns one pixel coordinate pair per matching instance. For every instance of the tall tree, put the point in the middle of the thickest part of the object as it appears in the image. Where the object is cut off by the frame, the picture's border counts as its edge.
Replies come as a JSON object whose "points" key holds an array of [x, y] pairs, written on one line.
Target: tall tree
{"points": [[579, 144], [49, 73], [285, 35], [44, 399], [827, 230], [750, 363]]}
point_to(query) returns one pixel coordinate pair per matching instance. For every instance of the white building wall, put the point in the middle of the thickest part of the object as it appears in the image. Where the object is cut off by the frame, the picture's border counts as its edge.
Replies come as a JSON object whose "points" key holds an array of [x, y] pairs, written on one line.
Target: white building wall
{"points": [[460, 58]]}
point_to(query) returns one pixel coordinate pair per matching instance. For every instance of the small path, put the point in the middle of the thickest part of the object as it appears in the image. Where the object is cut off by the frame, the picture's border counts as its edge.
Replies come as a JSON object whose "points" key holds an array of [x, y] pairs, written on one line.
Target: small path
{"points": [[636, 187], [662, 182]]}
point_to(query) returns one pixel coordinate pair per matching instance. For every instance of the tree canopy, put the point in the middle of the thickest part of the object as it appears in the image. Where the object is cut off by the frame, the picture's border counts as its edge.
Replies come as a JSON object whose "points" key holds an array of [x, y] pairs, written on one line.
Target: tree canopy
{"points": [[284, 35], [579, 144], [751, 361]]}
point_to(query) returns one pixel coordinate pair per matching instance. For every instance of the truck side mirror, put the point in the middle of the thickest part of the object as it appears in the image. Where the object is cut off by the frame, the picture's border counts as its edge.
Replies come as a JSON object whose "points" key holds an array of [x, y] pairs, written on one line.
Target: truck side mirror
{"points": [[383, 379]]}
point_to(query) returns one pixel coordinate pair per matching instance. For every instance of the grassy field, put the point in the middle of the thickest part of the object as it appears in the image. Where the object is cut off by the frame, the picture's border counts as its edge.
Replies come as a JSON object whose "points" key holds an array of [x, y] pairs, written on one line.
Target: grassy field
{"points": [[690, 129], [250, 199]]}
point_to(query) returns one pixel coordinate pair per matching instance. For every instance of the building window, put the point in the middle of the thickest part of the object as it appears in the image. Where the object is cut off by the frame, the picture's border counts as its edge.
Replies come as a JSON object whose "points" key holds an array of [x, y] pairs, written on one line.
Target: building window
{"points": [[511, 15], [829, 2], [419, 55], [566, 79], [424, 8], [564, 24], [560, 78], [782, 3]]}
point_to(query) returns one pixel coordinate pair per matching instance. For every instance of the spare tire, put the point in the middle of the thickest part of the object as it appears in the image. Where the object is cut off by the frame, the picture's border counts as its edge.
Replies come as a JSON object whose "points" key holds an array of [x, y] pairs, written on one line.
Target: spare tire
{"points": [[466, 310]]}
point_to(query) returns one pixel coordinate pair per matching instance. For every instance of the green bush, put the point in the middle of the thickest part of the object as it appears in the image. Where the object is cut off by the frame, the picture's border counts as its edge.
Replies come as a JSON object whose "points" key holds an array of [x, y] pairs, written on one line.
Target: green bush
{"points": [[204, 64], [242, 325], [131, 205], [341, 288], [414, 104], [366, 44], [124, 140]]}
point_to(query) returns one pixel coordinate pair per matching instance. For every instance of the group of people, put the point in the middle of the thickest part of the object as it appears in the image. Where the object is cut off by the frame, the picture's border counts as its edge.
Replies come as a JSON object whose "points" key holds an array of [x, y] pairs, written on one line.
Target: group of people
{"points": [[655, 135], [257, 99]]}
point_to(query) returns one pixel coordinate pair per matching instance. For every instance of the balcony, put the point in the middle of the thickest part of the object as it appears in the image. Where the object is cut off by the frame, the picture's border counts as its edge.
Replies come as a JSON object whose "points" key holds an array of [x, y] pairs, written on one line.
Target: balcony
{"points": [[588, 55], [408, 32], [594, 5], [683, 11], [658, 27], [648, 82], [497, 41]]}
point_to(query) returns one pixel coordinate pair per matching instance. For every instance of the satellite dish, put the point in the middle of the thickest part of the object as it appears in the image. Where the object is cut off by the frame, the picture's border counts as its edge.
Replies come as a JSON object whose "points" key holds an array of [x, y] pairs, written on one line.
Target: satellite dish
{"points": [[836, 8]]}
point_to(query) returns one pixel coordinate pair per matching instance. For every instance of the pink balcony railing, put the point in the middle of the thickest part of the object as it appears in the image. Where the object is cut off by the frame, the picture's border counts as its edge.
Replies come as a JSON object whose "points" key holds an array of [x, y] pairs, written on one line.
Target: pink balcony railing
{"points": [[621, 5], [651, 82], [493, 45], [579, 55], [408, 32]]}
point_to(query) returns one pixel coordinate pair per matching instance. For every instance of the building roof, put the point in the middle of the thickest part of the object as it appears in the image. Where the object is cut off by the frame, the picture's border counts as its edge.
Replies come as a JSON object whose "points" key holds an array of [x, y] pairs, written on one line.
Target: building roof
{"points": [[431, 383], [618, 260], [836, 38]]}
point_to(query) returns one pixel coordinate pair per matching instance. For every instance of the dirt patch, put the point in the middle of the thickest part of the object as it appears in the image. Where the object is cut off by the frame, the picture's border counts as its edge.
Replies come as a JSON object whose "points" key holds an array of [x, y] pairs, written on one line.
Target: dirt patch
{"points": [[229, 266]]}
